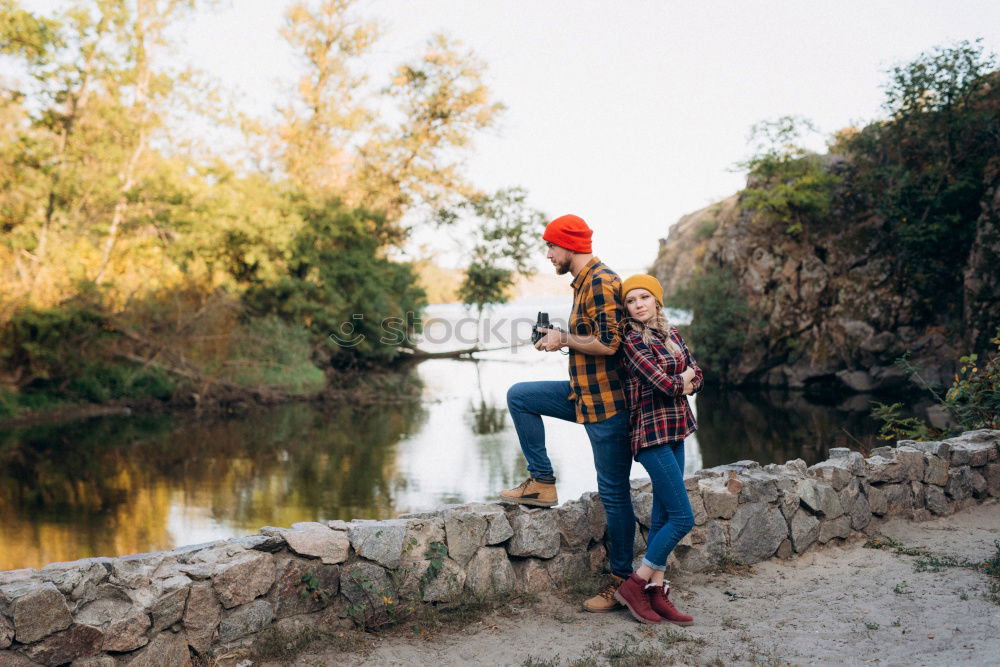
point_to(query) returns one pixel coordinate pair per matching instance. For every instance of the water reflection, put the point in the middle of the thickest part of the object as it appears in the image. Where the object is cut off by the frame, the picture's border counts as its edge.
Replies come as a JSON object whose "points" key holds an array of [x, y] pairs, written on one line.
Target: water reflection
{"points": [[110, 487], [118, 486]]}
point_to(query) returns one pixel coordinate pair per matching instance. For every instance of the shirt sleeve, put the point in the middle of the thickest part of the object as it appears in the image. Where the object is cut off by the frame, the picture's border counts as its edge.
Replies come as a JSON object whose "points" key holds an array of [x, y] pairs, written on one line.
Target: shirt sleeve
{"points": [[641, 361], [608, 313], [698, 381]]}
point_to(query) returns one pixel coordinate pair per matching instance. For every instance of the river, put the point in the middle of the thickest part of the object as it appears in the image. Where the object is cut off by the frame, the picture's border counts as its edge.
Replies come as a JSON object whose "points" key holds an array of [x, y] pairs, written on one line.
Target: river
{"points": [[114, 486]]}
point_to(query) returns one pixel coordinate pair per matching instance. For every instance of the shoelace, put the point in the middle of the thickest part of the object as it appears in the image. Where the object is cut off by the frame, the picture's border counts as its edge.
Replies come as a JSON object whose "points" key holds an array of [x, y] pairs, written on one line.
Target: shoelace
{"points": [[609, 591]]}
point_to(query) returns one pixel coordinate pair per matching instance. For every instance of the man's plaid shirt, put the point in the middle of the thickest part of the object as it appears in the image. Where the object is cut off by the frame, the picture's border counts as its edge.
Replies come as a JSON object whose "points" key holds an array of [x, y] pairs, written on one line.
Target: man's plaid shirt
{"points": [[659, 410], [597, 388]]}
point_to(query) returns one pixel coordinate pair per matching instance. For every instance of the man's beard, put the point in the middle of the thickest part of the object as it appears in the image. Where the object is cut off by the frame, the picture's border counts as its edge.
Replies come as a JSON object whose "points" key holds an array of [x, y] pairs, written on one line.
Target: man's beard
{"points": [[563, 268]]}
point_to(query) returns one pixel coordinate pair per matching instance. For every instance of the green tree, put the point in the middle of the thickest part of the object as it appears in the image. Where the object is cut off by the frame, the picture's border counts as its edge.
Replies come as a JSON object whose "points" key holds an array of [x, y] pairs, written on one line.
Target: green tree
{"points": [[442, 102], [359, 306], [506, 234], [786, 182], [924, 167], [721, 319]]}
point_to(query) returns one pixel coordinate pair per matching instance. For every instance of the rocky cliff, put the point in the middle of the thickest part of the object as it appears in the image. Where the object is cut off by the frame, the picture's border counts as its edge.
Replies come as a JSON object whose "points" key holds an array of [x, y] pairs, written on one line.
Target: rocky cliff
{"points": [[831, 307]]}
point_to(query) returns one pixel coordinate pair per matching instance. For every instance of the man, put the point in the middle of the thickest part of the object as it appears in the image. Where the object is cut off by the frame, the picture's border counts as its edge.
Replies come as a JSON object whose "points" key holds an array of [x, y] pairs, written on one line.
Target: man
{"points": [[594, 396]]}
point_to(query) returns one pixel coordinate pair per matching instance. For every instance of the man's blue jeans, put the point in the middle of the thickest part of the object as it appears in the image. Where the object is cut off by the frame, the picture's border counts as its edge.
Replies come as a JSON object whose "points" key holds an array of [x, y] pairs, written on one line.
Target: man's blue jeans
{"points": [[528, 402], [672, 517]]}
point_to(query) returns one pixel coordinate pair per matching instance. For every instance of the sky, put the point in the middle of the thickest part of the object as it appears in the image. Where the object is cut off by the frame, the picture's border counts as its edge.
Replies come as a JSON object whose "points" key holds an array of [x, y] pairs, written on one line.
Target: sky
{"points": [[628, 113]]}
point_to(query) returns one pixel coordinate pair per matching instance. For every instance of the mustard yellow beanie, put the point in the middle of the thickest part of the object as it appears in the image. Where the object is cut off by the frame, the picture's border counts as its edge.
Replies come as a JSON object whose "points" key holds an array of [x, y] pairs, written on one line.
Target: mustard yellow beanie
{"points": [[644, 281]]}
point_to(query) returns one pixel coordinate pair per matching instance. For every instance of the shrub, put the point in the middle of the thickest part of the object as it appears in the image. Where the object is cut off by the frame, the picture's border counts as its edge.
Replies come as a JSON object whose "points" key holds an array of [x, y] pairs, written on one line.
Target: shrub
{"points": [[721, 318], [786, 183]]}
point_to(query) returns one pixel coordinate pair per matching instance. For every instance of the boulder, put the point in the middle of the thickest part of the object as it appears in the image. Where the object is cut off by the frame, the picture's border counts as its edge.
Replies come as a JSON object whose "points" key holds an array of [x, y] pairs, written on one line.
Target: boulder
{"points": [[168, 609], [876, 499], [898, 498], [912, 460], [936, 501], [316, 540], [245, 620], [247, 577], [127, 634], [38, 609], [804, 530], [67, 576], [303, 586], [443, 586], [758, 487], [6, 632], [979, 484], [536, 533], [369, 590], [756, 530], [135, 571], [959, 484], [717, 540], [78, 641], [974, 448], [698, 508], [490, 573], [829, 501], [805, 490], [379, 541], [574, 528], [110, 603], [720, 501], [465, 532], [596, 516], [532, 575], [597, 558], [642, 506], [167, 648], [839, 527], [885, 470], [935, 470], [833, 473], [940, 449], [499, 529], [567, 567], [424, 538], [993, 479], [202, 616], [859, 511]]}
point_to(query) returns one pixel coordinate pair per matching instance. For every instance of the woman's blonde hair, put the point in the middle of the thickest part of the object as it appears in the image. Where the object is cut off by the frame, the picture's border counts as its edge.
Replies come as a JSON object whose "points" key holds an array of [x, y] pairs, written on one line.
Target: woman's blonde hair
{"points": [[657, 325]]}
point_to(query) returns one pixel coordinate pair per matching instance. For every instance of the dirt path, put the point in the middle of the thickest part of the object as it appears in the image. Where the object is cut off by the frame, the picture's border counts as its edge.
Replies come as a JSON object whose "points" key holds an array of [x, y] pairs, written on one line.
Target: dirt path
{"points": [[842, 604]]}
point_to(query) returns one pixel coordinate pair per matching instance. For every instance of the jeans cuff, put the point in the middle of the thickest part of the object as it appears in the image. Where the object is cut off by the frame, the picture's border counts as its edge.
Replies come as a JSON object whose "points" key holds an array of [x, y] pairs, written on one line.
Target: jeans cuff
{"points": [[654, 566]]}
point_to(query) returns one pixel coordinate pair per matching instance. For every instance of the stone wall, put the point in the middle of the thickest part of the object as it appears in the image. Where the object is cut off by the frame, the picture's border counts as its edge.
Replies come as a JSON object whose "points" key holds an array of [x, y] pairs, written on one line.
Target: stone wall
{"points": [[168, 607]]}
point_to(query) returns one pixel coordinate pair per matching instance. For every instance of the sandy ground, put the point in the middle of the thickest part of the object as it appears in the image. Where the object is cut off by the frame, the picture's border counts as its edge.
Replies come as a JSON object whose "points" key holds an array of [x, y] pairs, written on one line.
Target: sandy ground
{"points": [[843, 604]]}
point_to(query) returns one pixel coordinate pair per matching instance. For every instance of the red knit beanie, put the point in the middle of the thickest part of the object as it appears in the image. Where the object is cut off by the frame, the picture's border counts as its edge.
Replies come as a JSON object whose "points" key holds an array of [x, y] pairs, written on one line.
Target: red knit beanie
{"points": [[570, 232]]}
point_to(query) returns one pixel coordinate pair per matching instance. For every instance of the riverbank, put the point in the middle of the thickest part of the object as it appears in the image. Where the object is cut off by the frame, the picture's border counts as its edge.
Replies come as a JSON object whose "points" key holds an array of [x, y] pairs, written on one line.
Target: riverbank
{"points": [[360, 387], [847, 604]]}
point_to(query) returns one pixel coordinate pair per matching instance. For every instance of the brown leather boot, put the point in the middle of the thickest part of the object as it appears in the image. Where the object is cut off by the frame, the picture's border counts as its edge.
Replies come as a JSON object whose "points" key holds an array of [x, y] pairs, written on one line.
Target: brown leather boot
{"points": [[532, 492], [605, 600], [659, 600]]}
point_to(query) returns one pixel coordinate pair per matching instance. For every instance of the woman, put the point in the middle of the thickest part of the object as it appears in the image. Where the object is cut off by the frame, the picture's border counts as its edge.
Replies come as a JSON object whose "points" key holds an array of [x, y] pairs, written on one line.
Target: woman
{"points": [[660, 375]]}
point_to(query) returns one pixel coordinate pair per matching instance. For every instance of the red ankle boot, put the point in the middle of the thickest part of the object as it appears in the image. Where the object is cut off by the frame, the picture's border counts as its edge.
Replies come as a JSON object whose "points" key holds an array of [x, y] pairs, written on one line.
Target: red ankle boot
{"points": [[661, 604], [632, 594]]}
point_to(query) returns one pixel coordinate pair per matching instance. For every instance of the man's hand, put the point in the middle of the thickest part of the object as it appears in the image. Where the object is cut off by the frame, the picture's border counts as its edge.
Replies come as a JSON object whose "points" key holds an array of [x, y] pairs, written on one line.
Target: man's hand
{"points": [[551, 341]]}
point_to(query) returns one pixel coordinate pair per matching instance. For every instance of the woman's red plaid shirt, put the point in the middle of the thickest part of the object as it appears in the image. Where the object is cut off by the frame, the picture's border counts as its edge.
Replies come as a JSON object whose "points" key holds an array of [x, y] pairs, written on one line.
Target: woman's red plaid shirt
{"points": [[659, 411]]}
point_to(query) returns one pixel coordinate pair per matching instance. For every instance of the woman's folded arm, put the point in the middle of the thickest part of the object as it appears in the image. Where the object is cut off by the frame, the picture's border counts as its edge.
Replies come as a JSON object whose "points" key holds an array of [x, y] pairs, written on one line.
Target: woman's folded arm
{"points": [[643, 363]]}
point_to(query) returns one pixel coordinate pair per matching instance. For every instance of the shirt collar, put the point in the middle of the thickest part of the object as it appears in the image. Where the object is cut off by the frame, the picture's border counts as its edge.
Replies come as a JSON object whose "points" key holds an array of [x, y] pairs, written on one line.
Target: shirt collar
{"points": [[584, 272]]}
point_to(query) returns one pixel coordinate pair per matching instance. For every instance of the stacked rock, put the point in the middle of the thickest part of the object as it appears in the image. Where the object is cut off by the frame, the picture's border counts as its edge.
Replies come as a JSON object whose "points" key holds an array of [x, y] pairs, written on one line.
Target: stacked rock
{"points": [[167, 607]]}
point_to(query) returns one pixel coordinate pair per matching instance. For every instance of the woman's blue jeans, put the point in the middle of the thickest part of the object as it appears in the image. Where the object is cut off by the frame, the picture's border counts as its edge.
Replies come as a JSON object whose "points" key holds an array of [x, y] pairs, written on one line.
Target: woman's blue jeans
{"points": [[672, 517], [528, 402]]}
